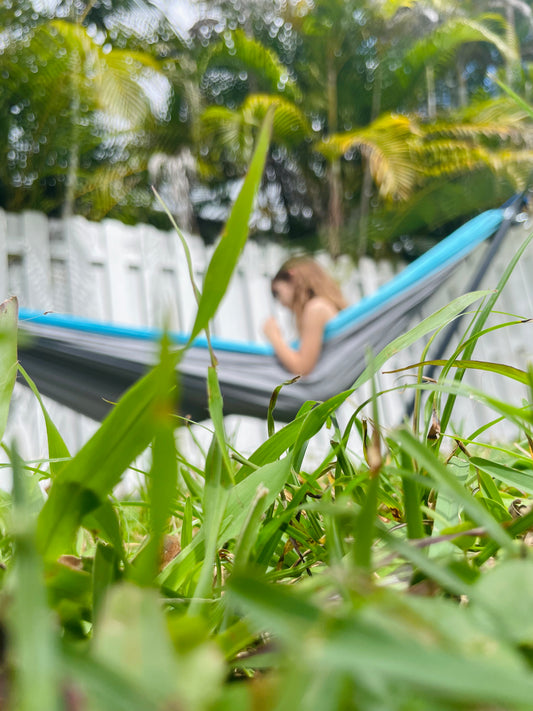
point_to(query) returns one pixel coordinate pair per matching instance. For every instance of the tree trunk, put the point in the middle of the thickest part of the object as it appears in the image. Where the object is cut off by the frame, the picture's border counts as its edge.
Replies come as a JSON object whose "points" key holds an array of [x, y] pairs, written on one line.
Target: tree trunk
{"points": [[462, 90], [366, 190], [431, 96], [334, 172], [74, 148]]}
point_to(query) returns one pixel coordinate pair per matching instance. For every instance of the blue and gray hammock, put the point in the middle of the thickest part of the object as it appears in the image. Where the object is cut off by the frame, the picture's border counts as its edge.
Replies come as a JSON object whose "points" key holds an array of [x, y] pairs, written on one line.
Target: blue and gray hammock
{"points": [[86, 365]]}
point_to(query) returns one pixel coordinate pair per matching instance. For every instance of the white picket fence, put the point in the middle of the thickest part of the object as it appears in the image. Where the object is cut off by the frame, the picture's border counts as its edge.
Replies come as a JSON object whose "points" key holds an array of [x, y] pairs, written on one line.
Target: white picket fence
{"points": [[138, 276]]}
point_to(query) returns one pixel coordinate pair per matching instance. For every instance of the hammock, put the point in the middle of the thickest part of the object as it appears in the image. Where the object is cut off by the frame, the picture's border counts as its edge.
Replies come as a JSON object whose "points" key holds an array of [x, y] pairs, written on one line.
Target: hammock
{"points": [[86, 365]]}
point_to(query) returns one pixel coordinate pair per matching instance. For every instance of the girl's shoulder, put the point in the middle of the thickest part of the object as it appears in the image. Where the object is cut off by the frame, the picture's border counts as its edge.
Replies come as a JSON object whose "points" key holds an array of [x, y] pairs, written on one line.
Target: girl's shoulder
{"points": [[319, 307]]}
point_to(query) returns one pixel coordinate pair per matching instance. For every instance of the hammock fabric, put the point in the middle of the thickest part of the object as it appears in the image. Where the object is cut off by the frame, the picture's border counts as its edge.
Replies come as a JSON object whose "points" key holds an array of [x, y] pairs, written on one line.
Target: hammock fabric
{"points": [[86, 365]]}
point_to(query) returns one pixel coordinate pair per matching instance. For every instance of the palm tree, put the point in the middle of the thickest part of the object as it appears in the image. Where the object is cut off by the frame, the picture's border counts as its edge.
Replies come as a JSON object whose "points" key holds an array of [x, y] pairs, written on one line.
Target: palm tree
{"points": [[77, 113], [420, 167]]}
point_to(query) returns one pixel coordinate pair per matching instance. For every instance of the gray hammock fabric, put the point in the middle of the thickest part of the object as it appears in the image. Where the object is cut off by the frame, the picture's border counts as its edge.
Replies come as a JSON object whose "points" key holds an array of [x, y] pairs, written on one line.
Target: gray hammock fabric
{"points": [[87, 365]]}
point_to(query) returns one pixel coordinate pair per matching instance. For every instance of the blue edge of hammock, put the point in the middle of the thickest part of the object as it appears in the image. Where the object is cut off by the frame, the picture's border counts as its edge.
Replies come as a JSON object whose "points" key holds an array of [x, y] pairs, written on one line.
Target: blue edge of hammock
{"points": [[447, 252]]}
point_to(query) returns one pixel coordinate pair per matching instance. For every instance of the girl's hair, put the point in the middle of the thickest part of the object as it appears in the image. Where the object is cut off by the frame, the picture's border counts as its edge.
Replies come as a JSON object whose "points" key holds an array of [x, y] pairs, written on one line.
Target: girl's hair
{"points": [[309, 280]]}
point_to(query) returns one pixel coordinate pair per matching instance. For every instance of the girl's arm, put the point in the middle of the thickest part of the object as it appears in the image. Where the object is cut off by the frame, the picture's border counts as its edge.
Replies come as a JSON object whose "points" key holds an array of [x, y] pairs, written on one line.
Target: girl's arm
{"points": [[317, 313]]}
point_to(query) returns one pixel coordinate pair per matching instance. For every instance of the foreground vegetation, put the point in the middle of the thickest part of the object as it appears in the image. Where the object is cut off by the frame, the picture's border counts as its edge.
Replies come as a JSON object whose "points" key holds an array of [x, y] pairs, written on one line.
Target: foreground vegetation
{"points": [[390, 576]]}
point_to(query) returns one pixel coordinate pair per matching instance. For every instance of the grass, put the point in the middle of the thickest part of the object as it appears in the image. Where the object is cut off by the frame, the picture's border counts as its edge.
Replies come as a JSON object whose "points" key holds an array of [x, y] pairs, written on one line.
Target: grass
{"points": [[394, 578]]}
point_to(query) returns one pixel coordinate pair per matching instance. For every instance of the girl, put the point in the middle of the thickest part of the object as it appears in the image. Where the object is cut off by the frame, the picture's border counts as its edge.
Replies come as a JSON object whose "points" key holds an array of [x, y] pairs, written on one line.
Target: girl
{"points": [[310, 293]]}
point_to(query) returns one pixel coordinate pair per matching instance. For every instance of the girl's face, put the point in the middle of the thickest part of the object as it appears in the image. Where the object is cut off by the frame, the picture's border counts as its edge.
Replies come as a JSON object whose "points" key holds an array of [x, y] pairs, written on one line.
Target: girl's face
{"points": [[283, 291]]}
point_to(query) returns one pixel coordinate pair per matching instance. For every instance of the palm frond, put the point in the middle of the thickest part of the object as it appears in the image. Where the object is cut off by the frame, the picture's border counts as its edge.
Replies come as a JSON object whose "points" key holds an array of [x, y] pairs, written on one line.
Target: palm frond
{"points": [[239, 52], [439, 48], [386, 145]]}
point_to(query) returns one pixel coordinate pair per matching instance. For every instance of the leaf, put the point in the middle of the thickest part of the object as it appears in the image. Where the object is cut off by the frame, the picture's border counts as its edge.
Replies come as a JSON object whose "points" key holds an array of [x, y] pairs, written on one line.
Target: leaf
{"points": [[8, 357], [522, 480], [480, 322], [57, 449], [272, 476], [104, 573], [33, 643], [506, 370], [216, 494], [85, 482], [502, 592], [217, 417], [224, 259], [431, 323], [439, 472], [365, 646]]}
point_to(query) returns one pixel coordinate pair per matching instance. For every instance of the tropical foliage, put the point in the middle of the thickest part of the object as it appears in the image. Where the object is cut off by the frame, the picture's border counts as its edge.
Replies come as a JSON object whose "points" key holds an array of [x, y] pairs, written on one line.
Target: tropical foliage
{"points": [[384, 110]]}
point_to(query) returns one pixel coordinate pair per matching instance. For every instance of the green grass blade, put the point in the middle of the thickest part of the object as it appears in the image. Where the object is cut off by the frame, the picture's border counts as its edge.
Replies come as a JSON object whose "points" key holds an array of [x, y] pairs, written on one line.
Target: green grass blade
{"points": [[480, 323], [272, 476], [431, 323], [57, 449], [272, 404], [86, 481], [517, 478], [248, 535], [104, 524], [105, 568], [214, 504], [8, 357], [186, 526], [507, 371], [216, 411], [224, 259], [438, 471], [34, 646]]}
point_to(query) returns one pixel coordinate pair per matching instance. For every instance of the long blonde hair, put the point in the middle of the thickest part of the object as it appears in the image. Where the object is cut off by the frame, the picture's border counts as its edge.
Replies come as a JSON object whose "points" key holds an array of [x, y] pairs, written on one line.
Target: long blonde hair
{"points": [[309, 280]]}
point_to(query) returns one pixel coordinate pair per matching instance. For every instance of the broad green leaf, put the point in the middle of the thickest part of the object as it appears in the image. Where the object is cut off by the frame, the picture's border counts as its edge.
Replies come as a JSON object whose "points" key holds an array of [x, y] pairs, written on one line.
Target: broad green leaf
{"points": [[364, 646], [105, 566], [133, 641], [522, 480], [107, 689], [86, 481], [8, 357], [32, 640], [224, 259], [503, 592]]}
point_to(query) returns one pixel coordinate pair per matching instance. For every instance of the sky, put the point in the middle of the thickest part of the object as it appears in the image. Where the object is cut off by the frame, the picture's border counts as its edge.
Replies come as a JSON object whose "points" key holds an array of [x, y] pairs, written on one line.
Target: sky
{"points": [[182, 14]]}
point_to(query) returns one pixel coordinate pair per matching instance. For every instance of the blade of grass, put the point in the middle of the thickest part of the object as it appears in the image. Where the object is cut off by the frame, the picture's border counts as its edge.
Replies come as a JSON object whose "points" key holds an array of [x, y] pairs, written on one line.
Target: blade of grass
{"points": [[57, 449], [479, 325], [436, 320], [272, 476], [8, 357], [216, 495], [235, 233], [105, 567], [508, 475], [86, 481], [35, 648], [438, 471]]}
